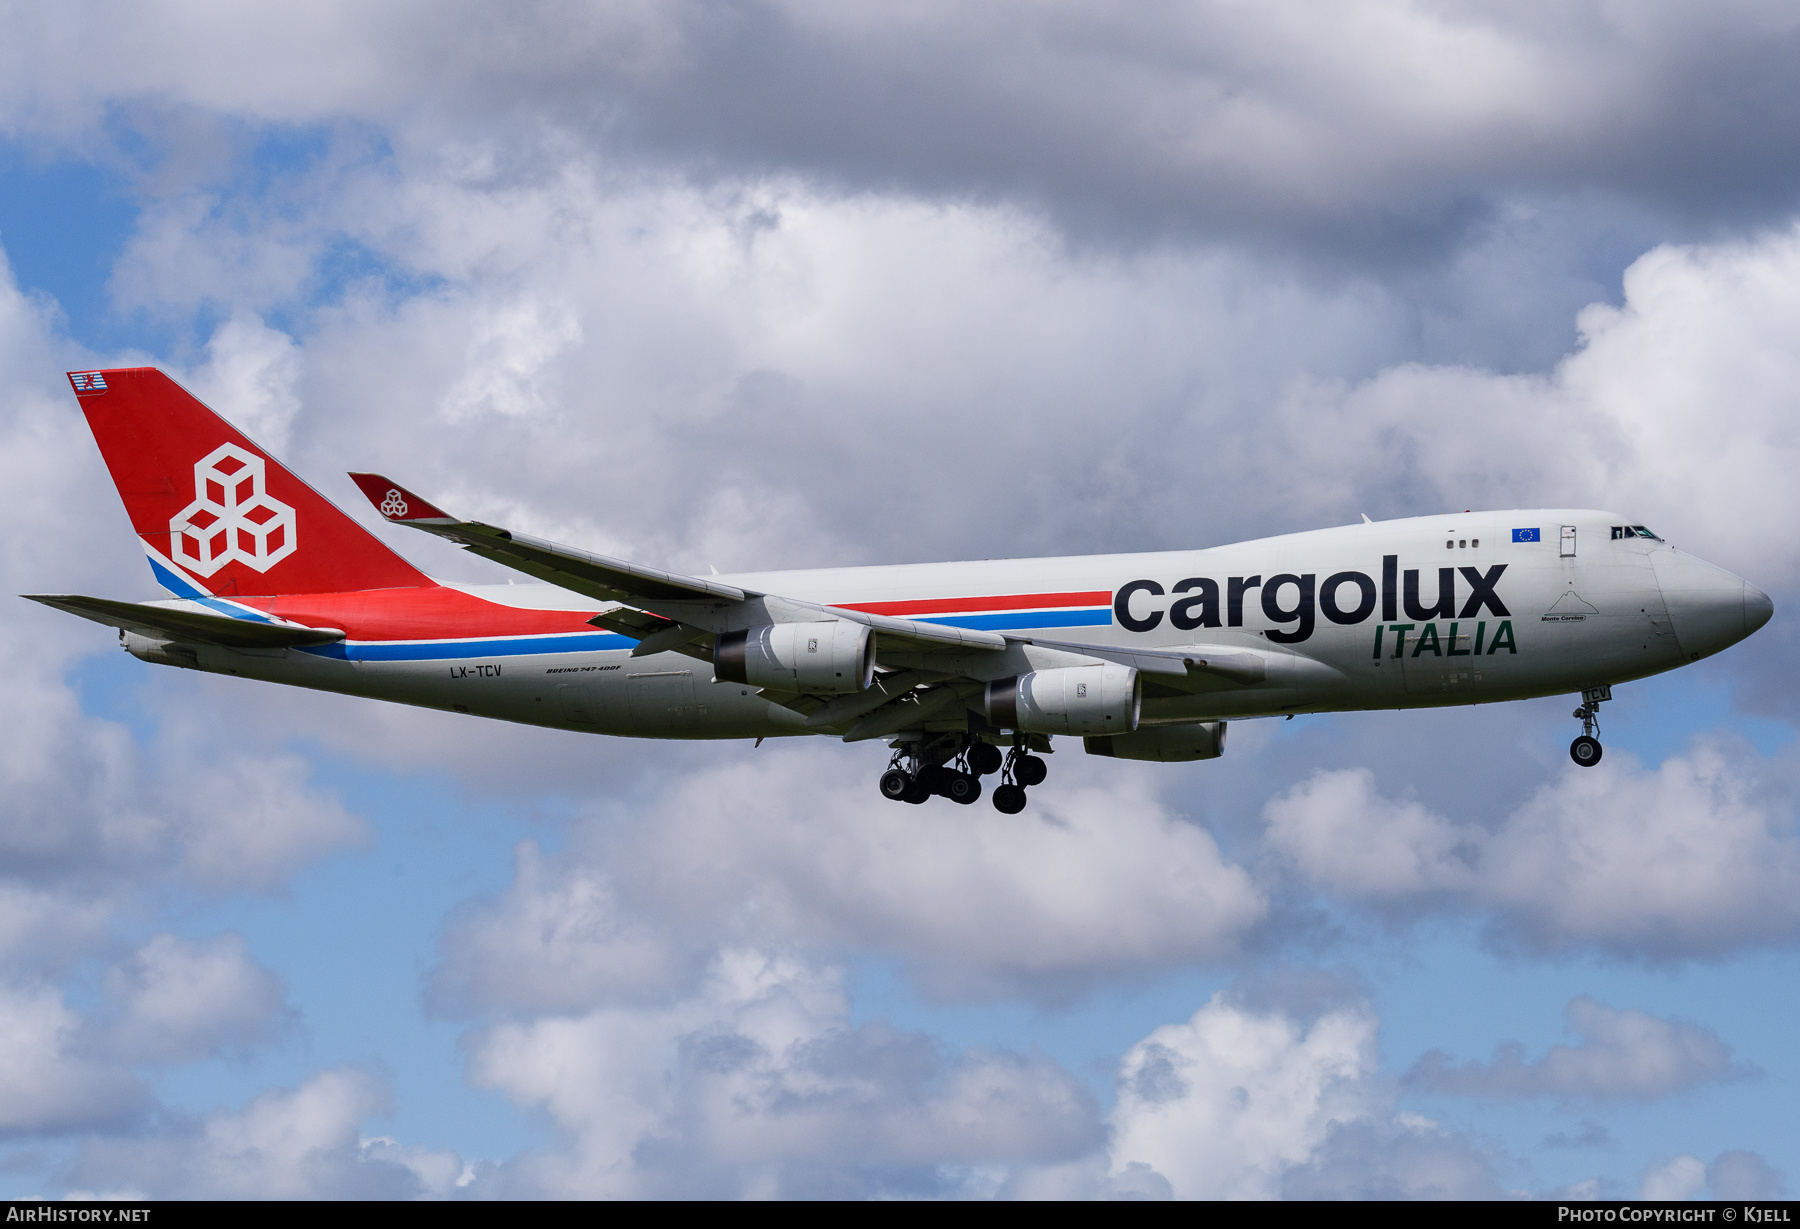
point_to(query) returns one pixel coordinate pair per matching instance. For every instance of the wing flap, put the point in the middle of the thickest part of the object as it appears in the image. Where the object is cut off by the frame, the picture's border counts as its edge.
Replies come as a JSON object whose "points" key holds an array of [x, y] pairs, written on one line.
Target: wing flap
{"points": [[653, 633], [192, 626], [1244, 666], [912, 709]]}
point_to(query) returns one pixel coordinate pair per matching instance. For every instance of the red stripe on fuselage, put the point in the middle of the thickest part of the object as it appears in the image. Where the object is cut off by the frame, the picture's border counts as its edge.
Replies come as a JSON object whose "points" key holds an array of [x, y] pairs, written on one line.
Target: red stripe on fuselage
{"points": [[418, 614], [958, 605], [444, 613]]}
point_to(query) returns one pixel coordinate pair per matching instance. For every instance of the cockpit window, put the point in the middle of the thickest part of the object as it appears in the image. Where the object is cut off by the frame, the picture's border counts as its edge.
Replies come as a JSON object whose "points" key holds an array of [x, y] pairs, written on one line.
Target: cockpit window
{"points": [[1645, 533], [1633, 531]]}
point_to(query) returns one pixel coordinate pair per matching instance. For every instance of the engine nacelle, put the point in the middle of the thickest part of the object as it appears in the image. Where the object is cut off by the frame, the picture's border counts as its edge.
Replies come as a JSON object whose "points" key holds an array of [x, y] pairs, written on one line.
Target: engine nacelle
{"points": [[1168, 744], [834, 657], [1099, 699]]}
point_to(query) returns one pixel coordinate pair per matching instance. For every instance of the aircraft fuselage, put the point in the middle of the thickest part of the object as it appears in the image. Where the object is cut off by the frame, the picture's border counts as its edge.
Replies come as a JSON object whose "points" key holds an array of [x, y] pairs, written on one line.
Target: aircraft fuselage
{"points": [[1411, 613]]}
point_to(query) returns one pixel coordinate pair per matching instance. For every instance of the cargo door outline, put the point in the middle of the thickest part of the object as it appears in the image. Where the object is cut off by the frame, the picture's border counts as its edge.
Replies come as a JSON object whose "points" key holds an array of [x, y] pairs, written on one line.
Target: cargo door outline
{"points": [[660, 699], [1435, 673], [582, 703]]}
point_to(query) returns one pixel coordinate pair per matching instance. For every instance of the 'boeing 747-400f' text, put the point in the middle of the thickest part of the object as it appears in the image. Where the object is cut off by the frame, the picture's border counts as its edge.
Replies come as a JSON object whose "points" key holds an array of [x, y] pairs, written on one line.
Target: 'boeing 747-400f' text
{"points": [[966, 669]]}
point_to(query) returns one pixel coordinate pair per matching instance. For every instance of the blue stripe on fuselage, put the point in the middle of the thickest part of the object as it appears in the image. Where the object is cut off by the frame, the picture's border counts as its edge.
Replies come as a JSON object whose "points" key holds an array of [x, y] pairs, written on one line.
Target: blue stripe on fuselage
{"points": [[435, 650], [1014, 621]]}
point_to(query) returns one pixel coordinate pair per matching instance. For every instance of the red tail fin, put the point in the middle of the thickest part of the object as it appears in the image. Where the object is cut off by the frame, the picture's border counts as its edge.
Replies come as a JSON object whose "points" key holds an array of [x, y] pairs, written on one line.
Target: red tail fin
{"points": [[217, 513]]}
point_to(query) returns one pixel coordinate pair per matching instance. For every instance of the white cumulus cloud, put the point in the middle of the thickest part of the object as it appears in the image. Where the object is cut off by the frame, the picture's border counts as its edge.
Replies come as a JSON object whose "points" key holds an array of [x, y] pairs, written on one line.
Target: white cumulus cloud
{"points": [[757, 1085], [795, 845], [48, 1083], [1693, 858], [288, 1143], [1223, 1104]]}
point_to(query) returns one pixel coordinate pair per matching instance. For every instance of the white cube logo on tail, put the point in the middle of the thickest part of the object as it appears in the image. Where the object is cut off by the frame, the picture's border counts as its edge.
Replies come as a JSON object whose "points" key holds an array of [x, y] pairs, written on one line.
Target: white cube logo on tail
{"points": [[232, 517], [394, 506]]}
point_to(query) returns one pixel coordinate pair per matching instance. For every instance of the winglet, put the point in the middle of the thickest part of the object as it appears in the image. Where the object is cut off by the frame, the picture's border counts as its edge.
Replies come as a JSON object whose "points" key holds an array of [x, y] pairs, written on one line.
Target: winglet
{"points": [[396, 503]]}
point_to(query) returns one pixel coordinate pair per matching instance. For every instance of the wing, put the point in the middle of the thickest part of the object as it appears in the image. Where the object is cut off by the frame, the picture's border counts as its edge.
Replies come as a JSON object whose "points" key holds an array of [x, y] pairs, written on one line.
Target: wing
{"points": [[596, 576], [670, 612], [693, 601], [184, 623]]}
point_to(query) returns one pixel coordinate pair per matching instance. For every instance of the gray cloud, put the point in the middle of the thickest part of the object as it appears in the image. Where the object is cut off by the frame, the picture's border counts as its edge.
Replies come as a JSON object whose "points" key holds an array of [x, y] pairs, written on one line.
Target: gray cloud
{"points": [[1744, 1175], [1732, 1175], [1592, 1135], [557, 940], [1622, 1055], [1396, 1160], [177, 1000], [1378, 131]]}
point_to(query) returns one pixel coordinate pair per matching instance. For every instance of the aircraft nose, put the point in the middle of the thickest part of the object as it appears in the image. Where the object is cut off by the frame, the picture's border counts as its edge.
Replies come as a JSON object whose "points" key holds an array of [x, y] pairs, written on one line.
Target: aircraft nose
{"points": [[1758, 609], [1709, 608]]}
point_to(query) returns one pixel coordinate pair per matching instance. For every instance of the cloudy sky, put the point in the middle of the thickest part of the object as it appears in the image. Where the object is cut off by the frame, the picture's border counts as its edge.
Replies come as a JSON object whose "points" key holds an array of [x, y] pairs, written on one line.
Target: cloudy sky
{"points": [[776, 283]]}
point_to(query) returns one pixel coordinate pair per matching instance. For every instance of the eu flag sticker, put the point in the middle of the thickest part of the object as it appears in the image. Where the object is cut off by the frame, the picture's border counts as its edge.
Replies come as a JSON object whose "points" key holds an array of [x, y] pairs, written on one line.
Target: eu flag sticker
{"points": [[1526, 535]]}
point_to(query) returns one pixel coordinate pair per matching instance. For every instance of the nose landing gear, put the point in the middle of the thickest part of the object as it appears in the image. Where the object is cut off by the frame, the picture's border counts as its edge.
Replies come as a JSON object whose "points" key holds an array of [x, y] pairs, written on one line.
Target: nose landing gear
{"points": [[1586, 749]]}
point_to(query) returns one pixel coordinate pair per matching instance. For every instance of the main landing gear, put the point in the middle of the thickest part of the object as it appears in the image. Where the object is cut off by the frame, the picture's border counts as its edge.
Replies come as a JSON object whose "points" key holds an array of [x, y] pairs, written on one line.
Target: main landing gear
{"points": [[920, 769], [952, 767], [1586, 749], [1022, 769]]}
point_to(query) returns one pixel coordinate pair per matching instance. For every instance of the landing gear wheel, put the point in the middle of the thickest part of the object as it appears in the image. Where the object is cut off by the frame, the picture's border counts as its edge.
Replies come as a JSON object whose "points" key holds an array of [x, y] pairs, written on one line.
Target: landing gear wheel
{"points": [[935, 779], [1030, 770], [984, 759], [1009, 799], [895, 782], [1585, 751], [963, 788], [916, 793]]}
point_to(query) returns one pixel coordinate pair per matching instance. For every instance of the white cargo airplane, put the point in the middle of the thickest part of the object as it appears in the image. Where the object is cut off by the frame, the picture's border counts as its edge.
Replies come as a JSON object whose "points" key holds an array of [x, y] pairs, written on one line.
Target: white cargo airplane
{"points": [[1145, 657]]}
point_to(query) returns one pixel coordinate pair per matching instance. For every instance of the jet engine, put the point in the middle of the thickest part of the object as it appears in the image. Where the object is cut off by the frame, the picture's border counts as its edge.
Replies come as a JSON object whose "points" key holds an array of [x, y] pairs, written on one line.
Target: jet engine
{"points": [[833, 657], [1168, 744], [1098, 699]]}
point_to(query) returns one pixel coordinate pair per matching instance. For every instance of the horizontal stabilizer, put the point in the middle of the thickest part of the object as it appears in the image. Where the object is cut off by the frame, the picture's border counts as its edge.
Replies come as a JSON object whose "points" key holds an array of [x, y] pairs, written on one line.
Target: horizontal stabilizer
{"points": [[189, 625]]}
